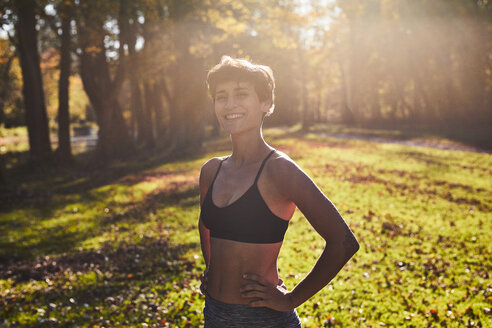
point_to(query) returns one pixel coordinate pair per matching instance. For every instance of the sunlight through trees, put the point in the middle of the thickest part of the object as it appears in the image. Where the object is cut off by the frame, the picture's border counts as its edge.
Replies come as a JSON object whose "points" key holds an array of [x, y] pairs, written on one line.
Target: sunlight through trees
{"points": [[142, 65]]}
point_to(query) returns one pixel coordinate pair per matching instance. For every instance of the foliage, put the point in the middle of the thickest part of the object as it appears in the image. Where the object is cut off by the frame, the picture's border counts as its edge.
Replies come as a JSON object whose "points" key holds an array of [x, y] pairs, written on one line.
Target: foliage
{"points": [[406, 65], [11, 113], [118, 246], [377, 62], [13, 132]]}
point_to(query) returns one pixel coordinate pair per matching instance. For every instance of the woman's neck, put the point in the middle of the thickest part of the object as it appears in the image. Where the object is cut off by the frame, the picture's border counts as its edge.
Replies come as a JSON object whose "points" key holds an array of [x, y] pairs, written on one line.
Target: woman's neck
{"points": [[248, 148]]}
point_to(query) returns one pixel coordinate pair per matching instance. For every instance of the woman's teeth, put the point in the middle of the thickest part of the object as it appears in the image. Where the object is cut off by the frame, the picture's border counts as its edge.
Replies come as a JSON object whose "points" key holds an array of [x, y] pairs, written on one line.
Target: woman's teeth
{"points": [[233, 116]]}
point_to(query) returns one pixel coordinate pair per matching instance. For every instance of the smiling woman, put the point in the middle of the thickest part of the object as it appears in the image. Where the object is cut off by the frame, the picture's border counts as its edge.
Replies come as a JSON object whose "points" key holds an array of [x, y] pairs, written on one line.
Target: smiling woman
{"points": [[237, 106], [247, 200]]}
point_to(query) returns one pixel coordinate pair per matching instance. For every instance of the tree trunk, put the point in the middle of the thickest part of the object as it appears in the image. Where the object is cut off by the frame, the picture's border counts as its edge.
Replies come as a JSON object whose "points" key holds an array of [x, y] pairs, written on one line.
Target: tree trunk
{"points": [[144, 122], [347, 116], [137, 106], [177, 117], [148, 133], [36, 117], [187, 111], [193, 108], [64, 150], [351, 76], [159, 108], [114, 140], [2, 176], [306, 110]]}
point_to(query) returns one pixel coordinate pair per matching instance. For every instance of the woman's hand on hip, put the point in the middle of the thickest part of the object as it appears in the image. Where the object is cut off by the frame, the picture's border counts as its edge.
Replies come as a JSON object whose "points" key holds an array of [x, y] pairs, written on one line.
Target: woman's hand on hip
{"points": [[204, 282], [264, 294]]}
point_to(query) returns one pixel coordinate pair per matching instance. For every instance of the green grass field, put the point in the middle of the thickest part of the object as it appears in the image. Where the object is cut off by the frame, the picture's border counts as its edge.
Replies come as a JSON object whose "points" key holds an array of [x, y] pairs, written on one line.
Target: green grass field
{"points": [[118, 247]]}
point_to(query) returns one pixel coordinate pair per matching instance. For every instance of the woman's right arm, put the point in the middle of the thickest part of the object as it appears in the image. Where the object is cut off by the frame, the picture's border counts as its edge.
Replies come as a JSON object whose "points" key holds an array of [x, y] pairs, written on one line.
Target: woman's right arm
{"points": [[206, 175]]}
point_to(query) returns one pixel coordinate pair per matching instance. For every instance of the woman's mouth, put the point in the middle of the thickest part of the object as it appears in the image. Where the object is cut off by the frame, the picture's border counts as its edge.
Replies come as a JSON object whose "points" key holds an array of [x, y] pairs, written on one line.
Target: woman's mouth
{"points": [[233, 116]]}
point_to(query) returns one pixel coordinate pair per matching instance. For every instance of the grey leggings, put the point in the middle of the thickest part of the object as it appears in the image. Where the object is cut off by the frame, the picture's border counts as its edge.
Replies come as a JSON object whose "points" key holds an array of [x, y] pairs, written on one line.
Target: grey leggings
{"points": [[223, 315]]}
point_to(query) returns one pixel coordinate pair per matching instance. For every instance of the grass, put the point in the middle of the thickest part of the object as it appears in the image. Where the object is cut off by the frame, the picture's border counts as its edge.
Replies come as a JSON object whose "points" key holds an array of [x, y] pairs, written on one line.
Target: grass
{"points": [[14, 143], [20, 131], [118, 247]]}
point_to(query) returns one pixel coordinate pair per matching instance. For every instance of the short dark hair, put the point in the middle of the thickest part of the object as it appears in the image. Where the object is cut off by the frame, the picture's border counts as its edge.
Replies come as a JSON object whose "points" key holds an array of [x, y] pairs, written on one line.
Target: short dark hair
{"points": [[239, 69]]}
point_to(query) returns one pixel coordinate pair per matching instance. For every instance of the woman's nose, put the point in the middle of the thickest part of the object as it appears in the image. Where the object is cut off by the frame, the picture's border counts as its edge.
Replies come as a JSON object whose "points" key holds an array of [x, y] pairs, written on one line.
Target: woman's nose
{"points": [[231, 103]]}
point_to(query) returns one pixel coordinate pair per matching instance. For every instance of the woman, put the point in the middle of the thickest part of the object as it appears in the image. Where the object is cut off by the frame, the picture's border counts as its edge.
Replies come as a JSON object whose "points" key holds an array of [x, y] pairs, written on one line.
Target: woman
{"points": [[247, 200]]}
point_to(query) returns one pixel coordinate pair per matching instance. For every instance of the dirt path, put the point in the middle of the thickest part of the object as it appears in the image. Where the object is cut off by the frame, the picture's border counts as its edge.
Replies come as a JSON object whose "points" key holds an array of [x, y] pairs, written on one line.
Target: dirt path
{"points": [[430, 143]]}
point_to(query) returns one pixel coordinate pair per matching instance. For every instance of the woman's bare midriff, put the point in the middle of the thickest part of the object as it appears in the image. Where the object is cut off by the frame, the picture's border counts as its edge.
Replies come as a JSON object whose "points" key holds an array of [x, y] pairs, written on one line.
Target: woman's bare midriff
{"points": [[229, 260]]}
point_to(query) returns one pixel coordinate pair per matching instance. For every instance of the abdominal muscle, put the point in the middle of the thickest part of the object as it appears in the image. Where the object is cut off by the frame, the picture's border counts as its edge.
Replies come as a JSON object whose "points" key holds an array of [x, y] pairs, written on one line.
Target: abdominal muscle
{"points": [[229, 260]]}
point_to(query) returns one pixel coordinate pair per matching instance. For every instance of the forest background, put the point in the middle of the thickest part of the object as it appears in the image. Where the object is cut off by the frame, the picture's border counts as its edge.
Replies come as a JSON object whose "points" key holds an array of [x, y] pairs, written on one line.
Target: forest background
{"points": [[105, 234], [135, 70]]}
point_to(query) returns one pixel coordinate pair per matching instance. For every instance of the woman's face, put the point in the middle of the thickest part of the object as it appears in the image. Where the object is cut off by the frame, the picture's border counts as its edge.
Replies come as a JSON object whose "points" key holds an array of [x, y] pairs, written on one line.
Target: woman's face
{"points": [[238, 107]]}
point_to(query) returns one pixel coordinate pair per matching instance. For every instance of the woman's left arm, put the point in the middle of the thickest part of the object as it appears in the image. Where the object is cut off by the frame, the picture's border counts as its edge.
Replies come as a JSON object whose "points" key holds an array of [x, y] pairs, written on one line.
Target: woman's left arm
{"points": [[340, 242]]}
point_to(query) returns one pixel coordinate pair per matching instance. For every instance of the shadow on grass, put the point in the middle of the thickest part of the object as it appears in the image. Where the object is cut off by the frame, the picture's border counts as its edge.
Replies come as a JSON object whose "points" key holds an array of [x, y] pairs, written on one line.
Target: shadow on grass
{"points": [[86, 172], [28, 181], [115, 279], [57, 238], [157, 200], [147, 258]]}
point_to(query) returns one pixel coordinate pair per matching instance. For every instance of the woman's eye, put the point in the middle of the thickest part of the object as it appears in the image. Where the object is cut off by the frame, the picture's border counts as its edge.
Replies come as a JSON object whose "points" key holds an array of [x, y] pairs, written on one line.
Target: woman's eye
{"points": [[220, 98], [242, 95]]}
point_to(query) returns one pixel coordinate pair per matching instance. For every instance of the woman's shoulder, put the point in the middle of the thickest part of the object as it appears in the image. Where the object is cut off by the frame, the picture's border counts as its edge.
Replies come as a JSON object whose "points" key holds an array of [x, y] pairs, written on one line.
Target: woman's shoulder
{"points": [[209, 168], [284, 174], [281, 165]]}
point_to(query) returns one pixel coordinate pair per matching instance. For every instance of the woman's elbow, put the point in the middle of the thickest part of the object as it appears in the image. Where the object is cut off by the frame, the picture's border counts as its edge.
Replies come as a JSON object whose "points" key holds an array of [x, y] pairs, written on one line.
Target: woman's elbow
{"points": [[351, 245], [355, 247]]}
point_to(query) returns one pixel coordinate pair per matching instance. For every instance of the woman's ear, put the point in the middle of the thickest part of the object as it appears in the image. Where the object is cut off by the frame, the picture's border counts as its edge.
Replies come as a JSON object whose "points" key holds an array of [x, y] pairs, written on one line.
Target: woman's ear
{"points": [[265, 106]]}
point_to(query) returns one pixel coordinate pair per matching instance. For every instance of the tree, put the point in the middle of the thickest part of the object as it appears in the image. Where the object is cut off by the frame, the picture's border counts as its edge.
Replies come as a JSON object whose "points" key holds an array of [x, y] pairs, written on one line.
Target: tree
{"points": [[36, 117], [141, 113], [101, 84], [65, 11]]}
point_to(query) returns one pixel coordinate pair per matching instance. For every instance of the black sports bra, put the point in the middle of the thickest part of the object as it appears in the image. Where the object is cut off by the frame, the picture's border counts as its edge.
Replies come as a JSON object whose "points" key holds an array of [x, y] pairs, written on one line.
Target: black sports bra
{"points": [[248, 219]]}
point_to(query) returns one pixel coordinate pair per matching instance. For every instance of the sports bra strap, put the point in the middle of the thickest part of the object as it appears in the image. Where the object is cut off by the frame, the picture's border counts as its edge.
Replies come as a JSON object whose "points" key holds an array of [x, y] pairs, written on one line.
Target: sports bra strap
{"points": [[218, 169], [257, 175], [262, 165]]}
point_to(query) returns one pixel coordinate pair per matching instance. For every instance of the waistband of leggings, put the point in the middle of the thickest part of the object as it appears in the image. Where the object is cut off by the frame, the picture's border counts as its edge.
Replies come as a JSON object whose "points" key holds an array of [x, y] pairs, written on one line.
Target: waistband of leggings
{"points": [[223, 305], [244, 308]]}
